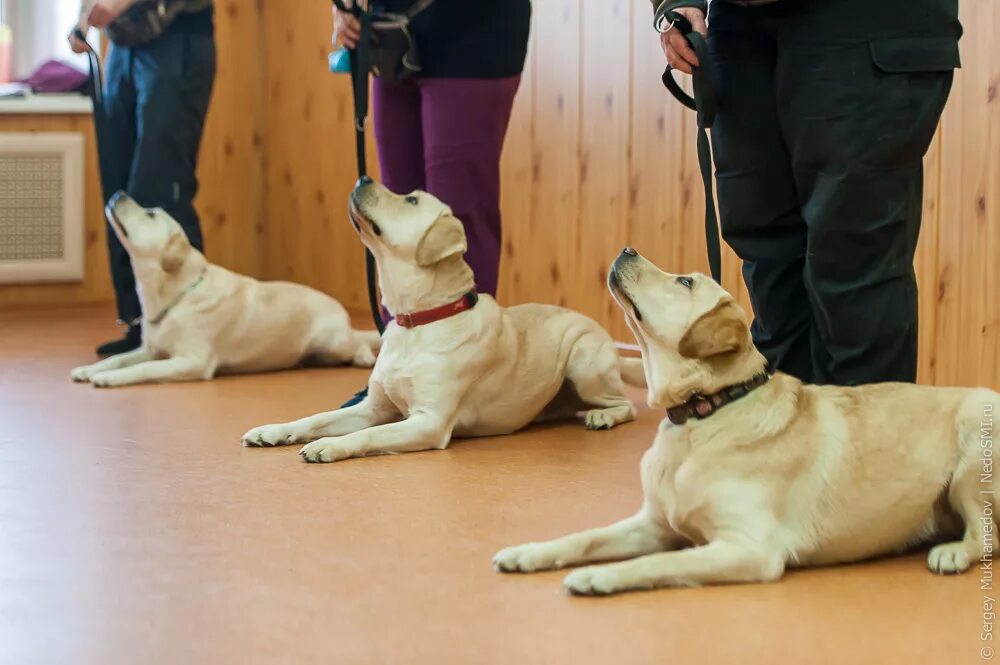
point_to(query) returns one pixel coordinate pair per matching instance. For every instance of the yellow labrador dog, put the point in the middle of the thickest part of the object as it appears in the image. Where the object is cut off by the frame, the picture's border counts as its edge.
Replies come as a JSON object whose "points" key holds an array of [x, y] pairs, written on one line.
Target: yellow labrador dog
{"points": [[454, 363], [200, 319], [751, 474]]}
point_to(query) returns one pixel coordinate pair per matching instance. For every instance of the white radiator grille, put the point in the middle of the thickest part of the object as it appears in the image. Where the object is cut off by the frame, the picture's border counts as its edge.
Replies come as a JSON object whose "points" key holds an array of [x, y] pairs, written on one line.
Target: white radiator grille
{"points": [[41, 207]]}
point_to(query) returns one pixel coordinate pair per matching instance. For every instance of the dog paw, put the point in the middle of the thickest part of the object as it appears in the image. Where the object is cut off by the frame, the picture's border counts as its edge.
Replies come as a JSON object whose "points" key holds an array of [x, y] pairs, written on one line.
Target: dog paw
{"points": [[592, 581], [599, 419], [323, 451], [949, 558], [106, 380], [268, 435], [81, 374], [525, 559]]}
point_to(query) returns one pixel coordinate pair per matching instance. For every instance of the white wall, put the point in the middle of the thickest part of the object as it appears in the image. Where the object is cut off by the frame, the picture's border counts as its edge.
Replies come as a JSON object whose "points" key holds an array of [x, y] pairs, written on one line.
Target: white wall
{"points": [[40, 28]]}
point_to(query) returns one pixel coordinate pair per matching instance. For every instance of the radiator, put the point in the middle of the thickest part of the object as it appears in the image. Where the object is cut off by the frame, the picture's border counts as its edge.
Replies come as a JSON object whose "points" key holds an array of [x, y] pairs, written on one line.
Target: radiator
{"points": [[41, 207]]}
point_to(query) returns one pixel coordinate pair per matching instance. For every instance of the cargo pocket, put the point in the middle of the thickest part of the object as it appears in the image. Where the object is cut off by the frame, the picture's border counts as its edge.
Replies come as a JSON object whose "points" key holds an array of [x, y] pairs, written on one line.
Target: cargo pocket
{"points": [[898, 55]]}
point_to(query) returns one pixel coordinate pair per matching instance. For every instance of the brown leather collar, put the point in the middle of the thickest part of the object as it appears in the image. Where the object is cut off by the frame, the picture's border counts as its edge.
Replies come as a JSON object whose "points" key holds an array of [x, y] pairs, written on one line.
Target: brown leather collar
{"points": [[414, 319], [702, 406]]}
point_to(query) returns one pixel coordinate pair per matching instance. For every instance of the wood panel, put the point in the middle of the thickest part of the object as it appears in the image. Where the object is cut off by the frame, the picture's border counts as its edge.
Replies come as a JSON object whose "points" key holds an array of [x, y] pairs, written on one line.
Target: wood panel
{"points": [[967, 330], [231, 198]]}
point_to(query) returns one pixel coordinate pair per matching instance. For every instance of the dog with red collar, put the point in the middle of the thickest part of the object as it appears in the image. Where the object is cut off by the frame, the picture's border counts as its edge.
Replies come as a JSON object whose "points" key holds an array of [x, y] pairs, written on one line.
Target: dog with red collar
{"points": [[454, 363]]}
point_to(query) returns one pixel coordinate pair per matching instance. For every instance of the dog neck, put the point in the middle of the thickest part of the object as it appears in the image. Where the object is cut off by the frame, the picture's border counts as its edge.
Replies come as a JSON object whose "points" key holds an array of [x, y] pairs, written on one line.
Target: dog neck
{"points": [[408, 288], [705, 376], [701, 406], [158, 288]]}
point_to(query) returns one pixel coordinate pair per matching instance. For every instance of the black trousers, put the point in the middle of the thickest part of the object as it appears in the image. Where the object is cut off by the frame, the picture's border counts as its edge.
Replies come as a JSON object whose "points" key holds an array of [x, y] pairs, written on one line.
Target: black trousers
{"points": [[156, 99], [818, 145]]}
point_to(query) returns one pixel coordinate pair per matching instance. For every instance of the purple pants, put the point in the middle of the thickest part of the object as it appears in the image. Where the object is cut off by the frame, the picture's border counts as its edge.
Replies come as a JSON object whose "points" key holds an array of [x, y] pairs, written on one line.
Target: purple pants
{"points": [[444, 136]]}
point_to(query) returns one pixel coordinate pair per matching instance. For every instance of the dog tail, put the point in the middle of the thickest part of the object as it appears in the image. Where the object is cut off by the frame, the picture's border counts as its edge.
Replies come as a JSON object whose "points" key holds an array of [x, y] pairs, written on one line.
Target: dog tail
{"points": [[632, 371]]}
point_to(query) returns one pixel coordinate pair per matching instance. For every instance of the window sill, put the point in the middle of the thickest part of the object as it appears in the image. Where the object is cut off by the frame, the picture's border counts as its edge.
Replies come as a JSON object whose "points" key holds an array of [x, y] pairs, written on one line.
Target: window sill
{"points": [[48, 104]]}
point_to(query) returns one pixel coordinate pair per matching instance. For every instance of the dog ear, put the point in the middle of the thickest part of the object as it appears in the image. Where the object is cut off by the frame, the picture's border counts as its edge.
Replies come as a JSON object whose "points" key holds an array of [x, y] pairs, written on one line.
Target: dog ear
{"points": [[721, 330], [174, 253], [445, 237]]}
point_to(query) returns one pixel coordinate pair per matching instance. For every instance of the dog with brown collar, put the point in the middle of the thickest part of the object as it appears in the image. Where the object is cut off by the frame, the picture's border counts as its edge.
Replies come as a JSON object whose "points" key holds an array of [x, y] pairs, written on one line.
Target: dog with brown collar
{"points": [[752, 473], [454, 363]]}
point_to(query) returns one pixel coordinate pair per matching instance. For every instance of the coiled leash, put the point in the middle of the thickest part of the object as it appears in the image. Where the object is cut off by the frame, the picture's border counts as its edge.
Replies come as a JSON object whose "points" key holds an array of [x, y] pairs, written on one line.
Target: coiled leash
{"points": [[705, 104], [360, 64]]}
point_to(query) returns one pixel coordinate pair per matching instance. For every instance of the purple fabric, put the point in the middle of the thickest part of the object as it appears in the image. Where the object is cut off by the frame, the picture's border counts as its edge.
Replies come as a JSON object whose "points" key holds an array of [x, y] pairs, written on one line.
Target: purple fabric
{"points": [[445, 136], [55, 76]]}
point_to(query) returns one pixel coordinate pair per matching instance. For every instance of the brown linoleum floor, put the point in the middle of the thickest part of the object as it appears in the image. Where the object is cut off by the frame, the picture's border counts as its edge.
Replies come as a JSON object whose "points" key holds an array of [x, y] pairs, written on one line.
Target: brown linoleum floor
{"points": [[134, 529]]}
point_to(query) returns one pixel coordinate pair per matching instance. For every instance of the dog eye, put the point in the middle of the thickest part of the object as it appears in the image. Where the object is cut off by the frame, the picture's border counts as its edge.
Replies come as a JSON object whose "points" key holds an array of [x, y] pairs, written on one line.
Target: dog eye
{"points": [[150, 214], [412, 200], [686, 282]]}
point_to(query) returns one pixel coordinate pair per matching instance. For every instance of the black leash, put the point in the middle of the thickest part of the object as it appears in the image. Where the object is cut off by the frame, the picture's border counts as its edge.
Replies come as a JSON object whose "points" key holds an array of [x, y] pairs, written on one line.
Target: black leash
{"points": [[360, 59], [97, 99], [705, 104]]}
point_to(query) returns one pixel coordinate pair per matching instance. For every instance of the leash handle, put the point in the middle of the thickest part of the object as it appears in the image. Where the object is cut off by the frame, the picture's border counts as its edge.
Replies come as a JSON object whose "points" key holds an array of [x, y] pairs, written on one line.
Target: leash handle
{"points": [[705, 104]]}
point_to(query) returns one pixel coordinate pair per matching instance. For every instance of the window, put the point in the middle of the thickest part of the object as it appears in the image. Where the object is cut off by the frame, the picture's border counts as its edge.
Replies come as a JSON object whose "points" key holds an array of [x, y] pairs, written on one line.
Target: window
{"points": [[37, 32]]}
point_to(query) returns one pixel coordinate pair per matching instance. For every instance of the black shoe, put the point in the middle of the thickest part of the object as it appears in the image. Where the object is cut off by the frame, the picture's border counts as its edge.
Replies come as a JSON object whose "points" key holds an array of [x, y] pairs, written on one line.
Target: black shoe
{"points": [[357, 399], [130, 342]]}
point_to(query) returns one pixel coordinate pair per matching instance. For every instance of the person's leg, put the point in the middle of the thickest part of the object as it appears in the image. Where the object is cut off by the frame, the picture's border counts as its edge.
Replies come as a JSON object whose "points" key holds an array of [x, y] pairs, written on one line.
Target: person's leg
{"points": [[465, 122], [399, 138], [117, 146], [858, 132], [758, 204], [174, 76]]}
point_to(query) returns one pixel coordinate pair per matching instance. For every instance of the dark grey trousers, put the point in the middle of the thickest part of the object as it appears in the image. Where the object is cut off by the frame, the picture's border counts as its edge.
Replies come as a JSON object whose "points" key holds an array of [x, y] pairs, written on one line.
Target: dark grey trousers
{"points": [[822, 126]]}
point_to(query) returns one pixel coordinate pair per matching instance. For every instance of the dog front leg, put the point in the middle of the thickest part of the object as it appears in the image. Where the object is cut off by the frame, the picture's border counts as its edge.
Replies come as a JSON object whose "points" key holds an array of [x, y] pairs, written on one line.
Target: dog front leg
{"points": [[421, 431], [181, 368], [375, 409], [631, 537], [718, 562], [119, 361]]}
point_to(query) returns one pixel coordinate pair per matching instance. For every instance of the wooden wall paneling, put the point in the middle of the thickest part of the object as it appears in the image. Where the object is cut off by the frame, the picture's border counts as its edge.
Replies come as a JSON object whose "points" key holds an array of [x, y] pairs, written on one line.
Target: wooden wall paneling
{"points": [[968, 317], [548, 262], [310, 166], [231, 165], [96, 284], [519, 172], [604, 165]]}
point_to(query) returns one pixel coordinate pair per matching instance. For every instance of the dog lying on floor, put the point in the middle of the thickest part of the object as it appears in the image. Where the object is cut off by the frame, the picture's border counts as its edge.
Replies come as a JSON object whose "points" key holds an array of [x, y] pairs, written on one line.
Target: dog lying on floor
{"points": [[751, 474], [452, 362], [200, 319]]}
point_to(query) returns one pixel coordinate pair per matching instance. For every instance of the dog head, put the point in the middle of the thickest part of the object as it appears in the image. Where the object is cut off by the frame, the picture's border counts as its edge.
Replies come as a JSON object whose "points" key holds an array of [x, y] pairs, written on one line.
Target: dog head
{"points": [[417, 242], [151, 237], [693, 335]]}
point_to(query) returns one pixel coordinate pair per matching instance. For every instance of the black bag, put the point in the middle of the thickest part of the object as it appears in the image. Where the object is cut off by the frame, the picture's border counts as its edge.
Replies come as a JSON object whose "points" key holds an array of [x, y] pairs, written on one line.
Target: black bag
{"points": [[393, 55], [144, 21]]}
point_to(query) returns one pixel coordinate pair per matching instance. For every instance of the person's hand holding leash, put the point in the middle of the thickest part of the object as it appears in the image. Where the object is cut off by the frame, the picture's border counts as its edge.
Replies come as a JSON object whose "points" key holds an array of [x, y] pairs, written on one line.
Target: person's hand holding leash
{"points": [[75, 43], [346, 29], [676, 47]]}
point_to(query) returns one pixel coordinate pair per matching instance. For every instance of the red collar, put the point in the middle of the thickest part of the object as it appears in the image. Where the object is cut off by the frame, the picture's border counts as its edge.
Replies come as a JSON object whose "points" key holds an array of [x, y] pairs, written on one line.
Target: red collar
{"points": [[414, 319]]}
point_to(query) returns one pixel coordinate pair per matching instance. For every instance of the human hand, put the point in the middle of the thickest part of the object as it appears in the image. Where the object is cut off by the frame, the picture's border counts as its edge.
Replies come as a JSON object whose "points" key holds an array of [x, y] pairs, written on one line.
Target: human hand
{"points": [[75, 43], [104, 12], [679, 53], [346, 29]]}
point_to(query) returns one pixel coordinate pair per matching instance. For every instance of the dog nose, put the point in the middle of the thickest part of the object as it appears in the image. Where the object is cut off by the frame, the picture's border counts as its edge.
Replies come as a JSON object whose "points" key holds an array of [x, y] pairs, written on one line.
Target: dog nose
{"points": [[630, 252], [363, 181]]}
